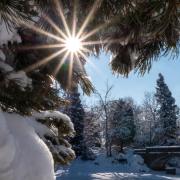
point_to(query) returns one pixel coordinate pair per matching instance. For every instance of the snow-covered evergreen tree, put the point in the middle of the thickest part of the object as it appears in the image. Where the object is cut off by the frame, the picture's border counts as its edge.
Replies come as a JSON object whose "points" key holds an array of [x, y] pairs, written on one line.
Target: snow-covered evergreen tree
{"points": [[167, 109], [122, 128], [92, 134], [76, 112], [36, 91], [92, 128]]}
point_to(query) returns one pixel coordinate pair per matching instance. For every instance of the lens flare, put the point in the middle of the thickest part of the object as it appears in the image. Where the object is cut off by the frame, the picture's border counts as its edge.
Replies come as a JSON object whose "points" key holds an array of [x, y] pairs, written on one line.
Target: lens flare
{"points": [[70, 43], [73, 44]]}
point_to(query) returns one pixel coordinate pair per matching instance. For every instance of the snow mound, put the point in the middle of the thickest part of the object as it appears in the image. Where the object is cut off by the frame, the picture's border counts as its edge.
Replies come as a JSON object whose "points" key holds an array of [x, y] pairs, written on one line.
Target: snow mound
{"points": [[135, 161], [23, 155]]}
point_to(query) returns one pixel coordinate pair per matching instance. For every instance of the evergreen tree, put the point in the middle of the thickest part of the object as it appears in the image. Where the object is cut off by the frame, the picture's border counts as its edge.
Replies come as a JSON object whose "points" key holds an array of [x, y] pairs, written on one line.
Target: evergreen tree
{"points": [[167, 110], [136, 32], [76, 113], [92, 134], [92, 128], [29, 84], [35, 93], [122, 128]]}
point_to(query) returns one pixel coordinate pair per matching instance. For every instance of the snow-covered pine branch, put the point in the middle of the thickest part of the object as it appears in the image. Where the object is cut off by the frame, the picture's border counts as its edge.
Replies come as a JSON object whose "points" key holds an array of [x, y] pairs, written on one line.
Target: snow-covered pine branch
{"points": [[54, 130], [20, 78]]}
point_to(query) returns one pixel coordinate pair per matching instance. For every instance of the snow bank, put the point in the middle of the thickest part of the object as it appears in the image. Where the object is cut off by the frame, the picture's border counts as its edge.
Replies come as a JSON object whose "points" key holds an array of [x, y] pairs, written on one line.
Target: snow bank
{"points": [[134, 161], [23, 155]]}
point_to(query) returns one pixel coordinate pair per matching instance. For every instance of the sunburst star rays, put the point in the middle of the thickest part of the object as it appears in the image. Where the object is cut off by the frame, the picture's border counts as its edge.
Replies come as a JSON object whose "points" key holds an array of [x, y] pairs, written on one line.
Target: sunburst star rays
{"points": [[69, 43]]}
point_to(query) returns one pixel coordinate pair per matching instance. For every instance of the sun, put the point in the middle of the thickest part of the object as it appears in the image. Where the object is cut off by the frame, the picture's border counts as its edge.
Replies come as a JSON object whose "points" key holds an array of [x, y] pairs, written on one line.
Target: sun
{"points": [[73, 44]]}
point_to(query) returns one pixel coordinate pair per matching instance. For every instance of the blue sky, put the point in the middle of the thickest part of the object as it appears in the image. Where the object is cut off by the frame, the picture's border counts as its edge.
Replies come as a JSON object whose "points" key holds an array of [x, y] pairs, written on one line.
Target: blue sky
{"points": [[135, 85]]}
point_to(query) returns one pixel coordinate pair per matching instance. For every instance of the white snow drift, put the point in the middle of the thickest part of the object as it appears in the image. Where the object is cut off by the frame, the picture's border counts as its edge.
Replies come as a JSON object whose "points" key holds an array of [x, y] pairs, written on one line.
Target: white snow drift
{"points": [[23, 155]]}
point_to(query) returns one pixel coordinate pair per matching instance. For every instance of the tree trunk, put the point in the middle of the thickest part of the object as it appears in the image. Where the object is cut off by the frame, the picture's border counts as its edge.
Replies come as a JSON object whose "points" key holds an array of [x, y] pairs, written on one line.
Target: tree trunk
{"points": [[106, 129], [110, 152]]}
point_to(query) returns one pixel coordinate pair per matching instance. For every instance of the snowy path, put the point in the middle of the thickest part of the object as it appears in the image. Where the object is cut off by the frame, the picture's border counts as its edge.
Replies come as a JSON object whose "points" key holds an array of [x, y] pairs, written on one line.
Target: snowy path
{"points": [[117, 176], [103, 169]]}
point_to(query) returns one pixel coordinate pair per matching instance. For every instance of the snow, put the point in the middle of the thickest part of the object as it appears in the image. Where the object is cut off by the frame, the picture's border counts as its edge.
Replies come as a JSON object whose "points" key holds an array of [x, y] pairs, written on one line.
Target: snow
{"points": [[2, 56], [5, 68], [103, 169], [40, 128], [62, 150], [24, 156], [174, 162], [8, 35], [54, 114], [20, 78], [131, 176], [163, 147]]}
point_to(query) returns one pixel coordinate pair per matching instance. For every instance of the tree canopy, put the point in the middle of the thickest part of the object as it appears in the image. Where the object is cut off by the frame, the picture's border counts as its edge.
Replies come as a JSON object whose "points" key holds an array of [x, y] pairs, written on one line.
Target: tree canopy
{"points": [[135, 32]]}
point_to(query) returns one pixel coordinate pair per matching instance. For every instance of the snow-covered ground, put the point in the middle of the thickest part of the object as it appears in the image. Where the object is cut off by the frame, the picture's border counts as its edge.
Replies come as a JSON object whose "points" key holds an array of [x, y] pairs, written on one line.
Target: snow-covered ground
{"points": [[103, 169]]}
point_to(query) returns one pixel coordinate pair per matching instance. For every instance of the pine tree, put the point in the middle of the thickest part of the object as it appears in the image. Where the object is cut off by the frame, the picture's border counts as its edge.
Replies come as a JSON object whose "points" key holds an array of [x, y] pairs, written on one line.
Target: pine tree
{"points": [[76, 112], [35, 94], [91, 134], [167, 109], [122, 128], [135, 32], [28, 85]]}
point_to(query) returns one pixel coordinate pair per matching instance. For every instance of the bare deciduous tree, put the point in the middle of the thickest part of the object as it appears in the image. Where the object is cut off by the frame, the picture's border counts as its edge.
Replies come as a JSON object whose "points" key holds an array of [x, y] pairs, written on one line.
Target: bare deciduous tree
{"points": [[104, 105]]}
